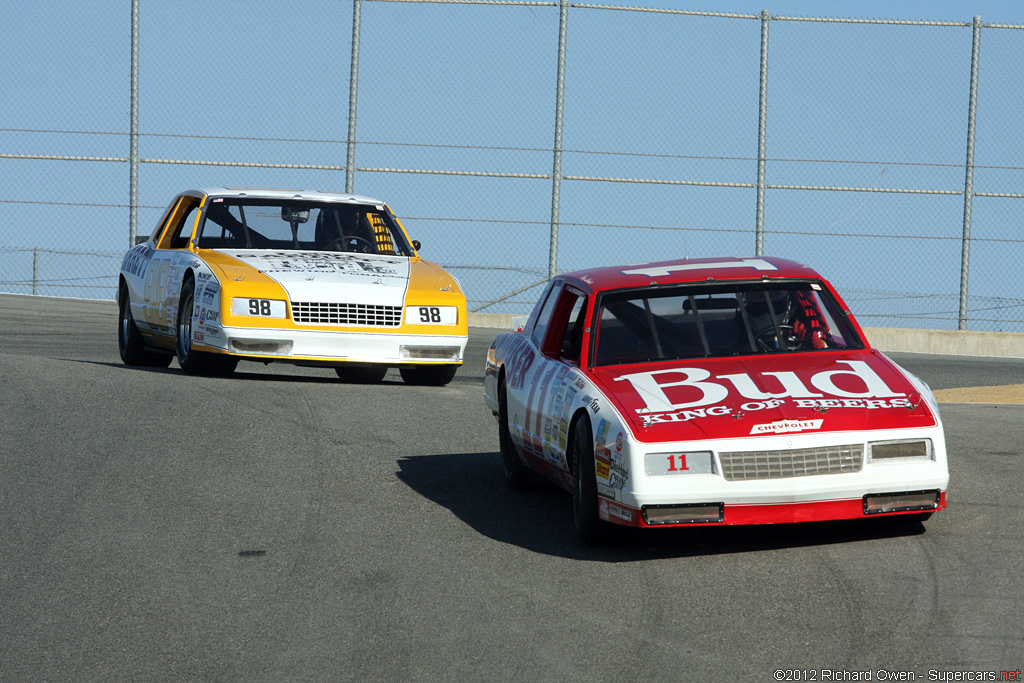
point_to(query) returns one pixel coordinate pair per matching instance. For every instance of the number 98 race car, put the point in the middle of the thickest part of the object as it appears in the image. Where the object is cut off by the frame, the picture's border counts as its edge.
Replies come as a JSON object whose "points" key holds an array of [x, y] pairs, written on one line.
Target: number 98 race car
{"points": [[310, 278], [711, 392]]}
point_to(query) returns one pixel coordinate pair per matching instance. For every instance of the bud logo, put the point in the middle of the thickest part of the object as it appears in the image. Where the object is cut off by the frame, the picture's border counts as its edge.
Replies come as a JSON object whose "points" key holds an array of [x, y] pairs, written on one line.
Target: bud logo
{"points": [[783, 426], [668, 390]]}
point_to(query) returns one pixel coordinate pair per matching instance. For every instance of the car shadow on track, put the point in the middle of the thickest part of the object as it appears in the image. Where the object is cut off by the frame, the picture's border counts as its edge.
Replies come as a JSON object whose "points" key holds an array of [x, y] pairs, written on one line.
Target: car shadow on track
{"points": [[245, 374], [471, 486]]}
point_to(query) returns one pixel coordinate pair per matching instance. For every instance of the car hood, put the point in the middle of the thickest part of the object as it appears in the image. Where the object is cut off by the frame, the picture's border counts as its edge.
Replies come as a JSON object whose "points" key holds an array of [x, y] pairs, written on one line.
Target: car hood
{"points": [[329, 277], [765, 395]]}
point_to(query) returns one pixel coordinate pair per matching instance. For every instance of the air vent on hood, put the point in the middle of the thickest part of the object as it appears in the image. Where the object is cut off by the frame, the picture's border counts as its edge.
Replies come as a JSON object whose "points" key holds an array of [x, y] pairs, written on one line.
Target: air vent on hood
{"points": [[358, 315]]}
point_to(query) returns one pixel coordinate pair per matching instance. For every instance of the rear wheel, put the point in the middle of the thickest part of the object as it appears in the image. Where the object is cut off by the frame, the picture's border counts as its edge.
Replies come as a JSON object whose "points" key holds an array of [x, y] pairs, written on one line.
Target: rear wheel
{"points": [[192, 361], [362, 374], [428, 375], [129, 340], [517, 476], [589, 526]]}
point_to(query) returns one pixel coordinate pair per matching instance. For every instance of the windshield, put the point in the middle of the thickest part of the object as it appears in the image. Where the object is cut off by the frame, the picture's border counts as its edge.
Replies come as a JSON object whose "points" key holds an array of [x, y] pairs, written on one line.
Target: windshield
{"points": [[301, 225], [730, 319]]}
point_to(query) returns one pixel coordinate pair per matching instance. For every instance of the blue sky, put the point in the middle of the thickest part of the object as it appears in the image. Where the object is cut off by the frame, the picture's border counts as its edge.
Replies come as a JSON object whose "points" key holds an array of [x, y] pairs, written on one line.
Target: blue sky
{"points": [[990, 11], [470, 88]]}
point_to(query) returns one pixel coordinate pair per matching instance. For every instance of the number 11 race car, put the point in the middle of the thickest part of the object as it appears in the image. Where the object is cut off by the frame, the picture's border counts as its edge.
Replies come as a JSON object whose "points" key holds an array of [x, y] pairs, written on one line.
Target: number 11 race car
{"points": [[711, 392], [310, 278]]}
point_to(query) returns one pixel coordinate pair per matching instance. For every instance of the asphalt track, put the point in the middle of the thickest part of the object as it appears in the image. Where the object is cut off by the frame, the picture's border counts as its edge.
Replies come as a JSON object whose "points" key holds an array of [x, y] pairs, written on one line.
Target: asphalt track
{"points": [[280, 525]]}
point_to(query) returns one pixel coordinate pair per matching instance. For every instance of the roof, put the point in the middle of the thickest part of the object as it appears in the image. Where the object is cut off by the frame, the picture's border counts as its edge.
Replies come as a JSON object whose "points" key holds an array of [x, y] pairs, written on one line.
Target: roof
{"points": [[273, 193], [688, 270]]}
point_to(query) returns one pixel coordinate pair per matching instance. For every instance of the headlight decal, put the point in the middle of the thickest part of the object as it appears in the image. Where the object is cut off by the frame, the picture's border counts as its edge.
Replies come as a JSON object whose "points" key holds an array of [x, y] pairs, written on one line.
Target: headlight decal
{"points": [[259, 308], [431, 315], [689, 462], [908, 449]]}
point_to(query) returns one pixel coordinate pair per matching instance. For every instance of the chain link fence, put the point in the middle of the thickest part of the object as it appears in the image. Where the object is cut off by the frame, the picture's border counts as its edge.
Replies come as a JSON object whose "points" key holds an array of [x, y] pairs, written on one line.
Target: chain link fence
{"points": [[519, 139]]}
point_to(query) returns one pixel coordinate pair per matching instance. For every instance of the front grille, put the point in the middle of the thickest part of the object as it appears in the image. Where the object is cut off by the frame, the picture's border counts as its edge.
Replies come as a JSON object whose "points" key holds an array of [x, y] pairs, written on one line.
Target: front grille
{"points": [[799, 462], [363, 315]]}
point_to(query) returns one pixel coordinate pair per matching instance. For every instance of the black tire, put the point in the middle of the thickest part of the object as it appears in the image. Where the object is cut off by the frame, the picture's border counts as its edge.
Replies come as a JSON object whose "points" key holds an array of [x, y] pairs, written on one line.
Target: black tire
{"points": [[129, 339], [589, 526], [191, 361], [517, 475], [362, 374], [428, 375]]}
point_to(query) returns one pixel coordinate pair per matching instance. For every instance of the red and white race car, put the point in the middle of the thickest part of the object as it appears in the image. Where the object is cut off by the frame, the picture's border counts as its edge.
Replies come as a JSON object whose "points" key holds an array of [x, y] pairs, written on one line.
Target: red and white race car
{"points": [[711, 391]]}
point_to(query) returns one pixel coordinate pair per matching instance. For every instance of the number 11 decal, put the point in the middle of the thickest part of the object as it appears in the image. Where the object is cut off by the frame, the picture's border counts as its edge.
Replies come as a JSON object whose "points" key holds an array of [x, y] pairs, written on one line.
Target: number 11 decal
{"points": [[672, 463]]}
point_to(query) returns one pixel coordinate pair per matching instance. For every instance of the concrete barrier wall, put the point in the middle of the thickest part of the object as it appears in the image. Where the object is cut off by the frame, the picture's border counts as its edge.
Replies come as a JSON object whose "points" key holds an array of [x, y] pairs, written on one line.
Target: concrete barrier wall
{"points": [[948, 342], [945, 342]]}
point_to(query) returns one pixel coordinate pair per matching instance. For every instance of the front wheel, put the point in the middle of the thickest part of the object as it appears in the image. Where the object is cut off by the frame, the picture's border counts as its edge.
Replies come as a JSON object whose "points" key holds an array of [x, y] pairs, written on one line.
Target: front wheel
{"points": [[129, 341], [428, 375], [192, 361], [589, 526]]}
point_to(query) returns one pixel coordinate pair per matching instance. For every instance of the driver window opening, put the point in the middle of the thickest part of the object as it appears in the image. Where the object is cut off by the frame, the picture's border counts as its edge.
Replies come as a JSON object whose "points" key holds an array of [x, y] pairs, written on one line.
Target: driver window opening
{"points": [[180, 225], [572, 336]]}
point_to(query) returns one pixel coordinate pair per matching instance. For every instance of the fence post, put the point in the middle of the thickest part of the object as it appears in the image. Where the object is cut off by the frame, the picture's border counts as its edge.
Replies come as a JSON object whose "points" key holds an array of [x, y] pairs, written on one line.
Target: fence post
{"points": [[556, 172], [133, 136], [353, 90], [35, 271], [965, 255], [762, 120]]}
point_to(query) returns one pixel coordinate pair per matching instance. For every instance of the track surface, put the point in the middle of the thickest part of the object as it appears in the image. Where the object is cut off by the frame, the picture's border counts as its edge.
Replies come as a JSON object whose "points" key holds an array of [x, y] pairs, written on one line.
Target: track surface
{"points": [[280, 525]]}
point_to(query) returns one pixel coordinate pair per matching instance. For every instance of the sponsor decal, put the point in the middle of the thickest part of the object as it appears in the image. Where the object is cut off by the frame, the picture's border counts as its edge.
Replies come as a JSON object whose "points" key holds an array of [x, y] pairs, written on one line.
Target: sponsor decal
{"points": [[655, 271], [210, 290], [607, 491], [563, 433], [320, 262], [135, 260], [821, 405], [602, 429], [618, 442], [591, 402], [683, 394], [785, 426], [607, 509], [618, 473], [520, 359], [602, 462]]}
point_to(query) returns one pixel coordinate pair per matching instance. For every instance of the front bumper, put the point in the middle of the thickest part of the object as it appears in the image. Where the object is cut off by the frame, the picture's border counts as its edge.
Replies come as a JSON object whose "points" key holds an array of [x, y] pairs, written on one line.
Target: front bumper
{"points": [[296, 345], [708, 498]]}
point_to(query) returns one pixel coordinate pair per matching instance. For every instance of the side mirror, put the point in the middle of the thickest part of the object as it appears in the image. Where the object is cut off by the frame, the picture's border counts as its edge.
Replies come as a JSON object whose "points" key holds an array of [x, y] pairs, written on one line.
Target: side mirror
{"points": [[416, 245]]}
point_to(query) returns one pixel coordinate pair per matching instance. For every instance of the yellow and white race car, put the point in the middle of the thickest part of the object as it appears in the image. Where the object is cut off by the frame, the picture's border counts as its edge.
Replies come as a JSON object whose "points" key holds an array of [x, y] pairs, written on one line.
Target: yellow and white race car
{"points": [[310, 278]]}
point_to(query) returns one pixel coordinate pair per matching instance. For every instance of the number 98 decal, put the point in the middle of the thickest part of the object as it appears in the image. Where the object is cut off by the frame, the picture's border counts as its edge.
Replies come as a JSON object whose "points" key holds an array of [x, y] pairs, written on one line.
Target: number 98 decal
{"points": [[263, 308], [431, 315]]}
